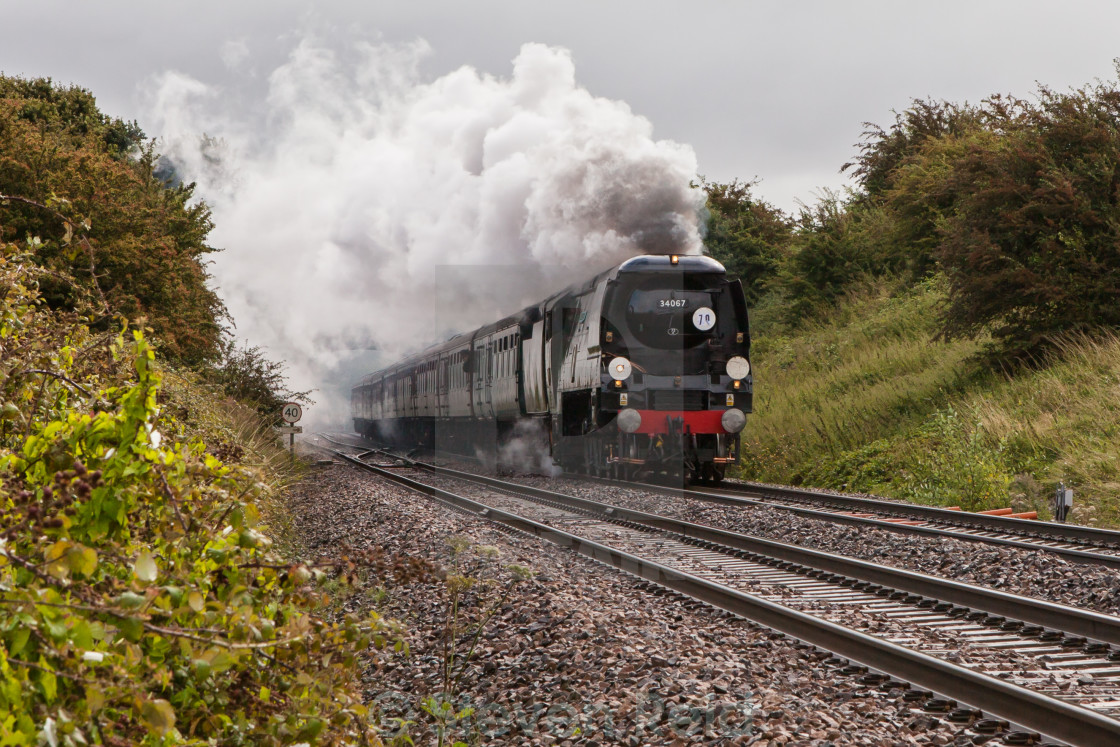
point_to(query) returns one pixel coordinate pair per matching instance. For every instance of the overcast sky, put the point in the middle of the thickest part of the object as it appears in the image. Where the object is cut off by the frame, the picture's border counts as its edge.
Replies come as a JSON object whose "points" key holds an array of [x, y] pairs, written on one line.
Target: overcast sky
{"points": [[769, 90]]}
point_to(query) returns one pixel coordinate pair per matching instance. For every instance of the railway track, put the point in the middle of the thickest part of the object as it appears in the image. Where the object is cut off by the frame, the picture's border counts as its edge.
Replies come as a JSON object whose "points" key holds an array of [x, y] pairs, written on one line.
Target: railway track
{"points": [[1075, 543], [986, 658], [1078, 544]]}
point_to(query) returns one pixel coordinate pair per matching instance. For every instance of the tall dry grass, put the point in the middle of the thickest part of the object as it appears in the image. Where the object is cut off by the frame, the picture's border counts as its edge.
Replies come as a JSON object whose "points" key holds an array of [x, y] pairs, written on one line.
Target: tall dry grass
{"points": [[235, 432], [837, 385], [869, 400], [1066, 416]]}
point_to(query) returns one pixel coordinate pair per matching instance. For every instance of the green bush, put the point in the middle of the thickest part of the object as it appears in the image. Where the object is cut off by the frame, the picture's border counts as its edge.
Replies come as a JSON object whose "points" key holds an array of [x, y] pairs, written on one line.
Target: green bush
{"points": [[1031, 247], [949, 462], [828, 257], [138, 246], [245, 374], [748, 235], [883, 151], [142, 602]]}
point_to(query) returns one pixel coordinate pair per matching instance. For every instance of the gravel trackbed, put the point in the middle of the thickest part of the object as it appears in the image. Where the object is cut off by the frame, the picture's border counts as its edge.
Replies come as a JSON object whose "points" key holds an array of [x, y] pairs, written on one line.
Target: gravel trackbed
{"points": [[578, 654]]}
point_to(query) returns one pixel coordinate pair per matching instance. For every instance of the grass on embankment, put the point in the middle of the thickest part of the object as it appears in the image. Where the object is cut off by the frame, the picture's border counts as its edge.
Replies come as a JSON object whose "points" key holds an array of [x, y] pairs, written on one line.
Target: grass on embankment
{"points": [[867, 400]]}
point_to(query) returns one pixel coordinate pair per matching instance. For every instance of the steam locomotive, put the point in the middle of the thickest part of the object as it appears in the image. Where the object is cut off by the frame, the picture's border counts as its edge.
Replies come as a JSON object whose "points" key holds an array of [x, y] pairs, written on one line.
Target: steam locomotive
{"points": [[643, 368]]}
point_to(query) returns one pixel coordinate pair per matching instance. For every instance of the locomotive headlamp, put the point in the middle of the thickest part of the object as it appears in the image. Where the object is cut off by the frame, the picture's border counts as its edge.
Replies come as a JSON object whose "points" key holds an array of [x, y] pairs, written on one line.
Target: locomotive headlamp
{"points": [[630, 420], [732, 421], [738, 367], [674, 259], [619, 368]]}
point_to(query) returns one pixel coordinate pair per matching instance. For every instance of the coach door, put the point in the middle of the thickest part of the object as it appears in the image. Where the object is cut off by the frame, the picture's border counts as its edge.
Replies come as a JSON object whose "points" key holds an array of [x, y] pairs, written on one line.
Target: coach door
{"points": [[491, 362], [534, 373], [483, 376]]}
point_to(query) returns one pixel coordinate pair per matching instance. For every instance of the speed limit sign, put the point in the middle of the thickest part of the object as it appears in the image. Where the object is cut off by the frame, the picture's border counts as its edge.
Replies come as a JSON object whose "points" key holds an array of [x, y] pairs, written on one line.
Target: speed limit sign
{"points": [[291, 412]]}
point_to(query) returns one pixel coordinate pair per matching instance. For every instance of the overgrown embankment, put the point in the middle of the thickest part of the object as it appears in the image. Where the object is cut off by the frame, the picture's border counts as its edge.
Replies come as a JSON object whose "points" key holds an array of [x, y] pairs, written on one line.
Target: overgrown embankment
{"points": [[142, 603], [868, 400], [142, 599], [981, 367]]}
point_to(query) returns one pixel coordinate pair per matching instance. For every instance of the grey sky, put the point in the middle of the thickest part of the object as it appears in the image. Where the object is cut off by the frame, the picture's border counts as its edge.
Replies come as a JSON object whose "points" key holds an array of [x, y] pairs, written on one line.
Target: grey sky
{"points": [[774, 90]]}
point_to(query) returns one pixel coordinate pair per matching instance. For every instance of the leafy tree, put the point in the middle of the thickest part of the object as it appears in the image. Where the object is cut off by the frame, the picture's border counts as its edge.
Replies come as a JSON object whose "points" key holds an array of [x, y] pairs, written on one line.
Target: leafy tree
{"points": [[245, 374], [748, 235], [826, 259], [1028, 217], [142, 246], [883, 151], [71, 111]]}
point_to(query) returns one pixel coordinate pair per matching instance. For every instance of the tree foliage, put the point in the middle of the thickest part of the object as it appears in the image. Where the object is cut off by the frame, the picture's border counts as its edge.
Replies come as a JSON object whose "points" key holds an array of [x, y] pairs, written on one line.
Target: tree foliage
{"points": [[882, 151], [1027, 217], [144, 244], [1016, 202], [141, 601], [247, 375], [748, 235], [826, 258]]}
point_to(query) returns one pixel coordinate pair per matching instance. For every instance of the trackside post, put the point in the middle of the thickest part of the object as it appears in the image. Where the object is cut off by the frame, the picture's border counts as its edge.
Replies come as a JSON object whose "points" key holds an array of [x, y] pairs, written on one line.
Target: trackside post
{"points": [[290, 413]]}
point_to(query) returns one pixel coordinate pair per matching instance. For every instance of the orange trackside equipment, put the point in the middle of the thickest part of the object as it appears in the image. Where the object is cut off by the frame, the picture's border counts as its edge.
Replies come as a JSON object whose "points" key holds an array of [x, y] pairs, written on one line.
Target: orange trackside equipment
{"points": [[1024, 515], [998, 512], [951, 508]]}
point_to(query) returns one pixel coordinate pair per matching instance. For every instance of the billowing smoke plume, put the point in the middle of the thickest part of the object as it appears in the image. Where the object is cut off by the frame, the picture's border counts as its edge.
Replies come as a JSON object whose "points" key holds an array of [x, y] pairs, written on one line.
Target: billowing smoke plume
{"points": [[341, 199]]}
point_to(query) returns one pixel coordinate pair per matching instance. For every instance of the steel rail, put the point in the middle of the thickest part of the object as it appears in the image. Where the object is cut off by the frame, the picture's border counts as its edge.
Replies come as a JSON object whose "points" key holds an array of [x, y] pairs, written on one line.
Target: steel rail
{"points": [[1073, 555], [1035, 711], [1101, 627], [1028, 527]]}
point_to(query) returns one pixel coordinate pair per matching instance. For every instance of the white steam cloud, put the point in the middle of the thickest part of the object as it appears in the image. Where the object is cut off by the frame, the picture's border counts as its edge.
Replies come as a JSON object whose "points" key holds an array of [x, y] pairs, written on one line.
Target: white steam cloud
{"points": [[353, 180]]}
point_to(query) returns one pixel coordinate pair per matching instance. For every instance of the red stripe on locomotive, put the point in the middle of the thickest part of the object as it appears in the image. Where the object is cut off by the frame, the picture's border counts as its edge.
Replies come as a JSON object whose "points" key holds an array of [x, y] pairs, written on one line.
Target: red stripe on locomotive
{"points": [[695, 421]]}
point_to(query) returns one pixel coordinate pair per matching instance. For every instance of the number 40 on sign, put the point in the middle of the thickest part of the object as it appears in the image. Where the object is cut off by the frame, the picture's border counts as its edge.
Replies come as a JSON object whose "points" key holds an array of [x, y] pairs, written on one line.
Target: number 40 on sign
{"points": [[290, 413]]}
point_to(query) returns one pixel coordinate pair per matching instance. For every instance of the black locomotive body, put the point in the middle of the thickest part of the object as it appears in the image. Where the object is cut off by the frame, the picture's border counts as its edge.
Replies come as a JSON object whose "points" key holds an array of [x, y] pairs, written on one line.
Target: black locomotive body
{"points": [[643, 368]]}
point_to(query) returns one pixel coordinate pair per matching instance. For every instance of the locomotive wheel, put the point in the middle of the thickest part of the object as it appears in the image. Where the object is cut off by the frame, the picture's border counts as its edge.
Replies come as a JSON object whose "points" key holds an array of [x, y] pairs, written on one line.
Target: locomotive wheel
{"points": [[709, 473]]}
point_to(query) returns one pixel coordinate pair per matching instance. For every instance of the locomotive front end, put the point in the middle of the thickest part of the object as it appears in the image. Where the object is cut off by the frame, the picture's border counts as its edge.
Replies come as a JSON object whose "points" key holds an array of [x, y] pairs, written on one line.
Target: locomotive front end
{"points": [[675, 366]]}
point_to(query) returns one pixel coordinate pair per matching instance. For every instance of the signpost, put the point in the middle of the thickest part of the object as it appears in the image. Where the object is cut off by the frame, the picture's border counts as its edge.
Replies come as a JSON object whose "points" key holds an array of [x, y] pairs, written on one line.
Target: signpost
{"points": [[290, 413], [1063, 502]]}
